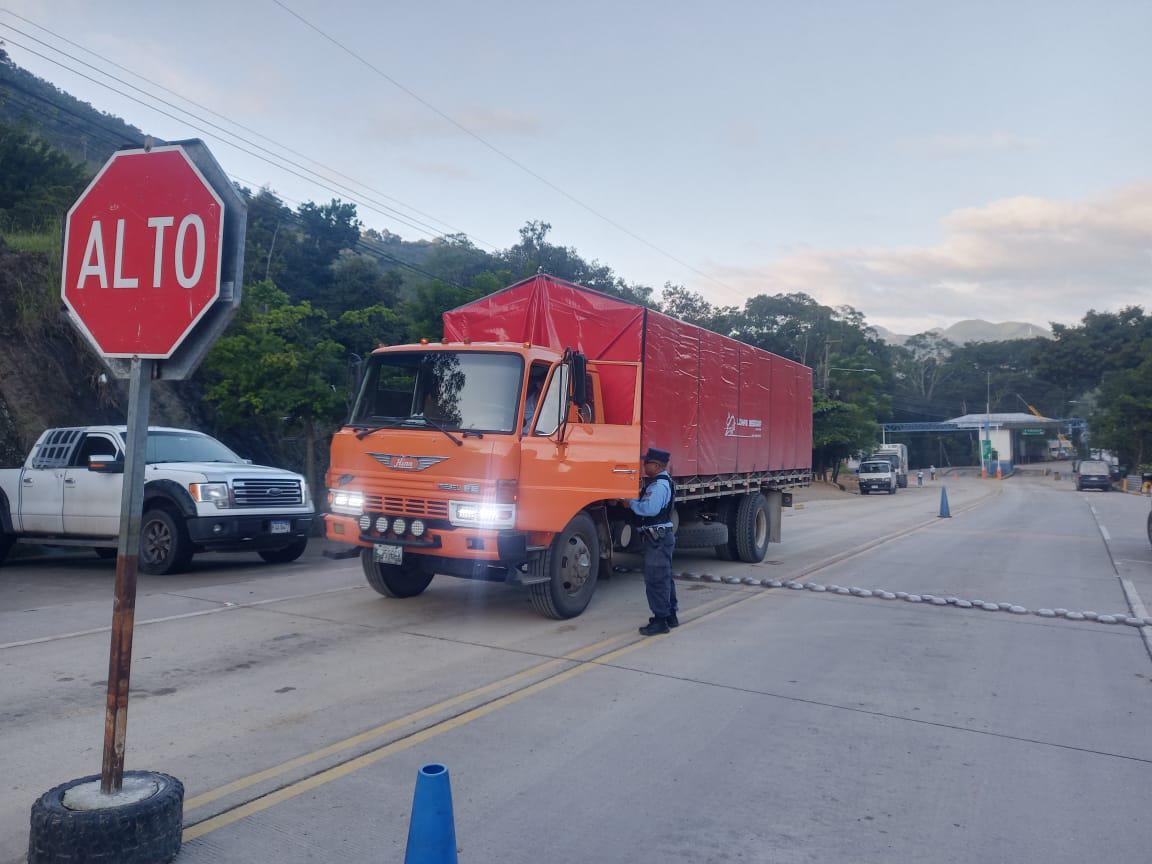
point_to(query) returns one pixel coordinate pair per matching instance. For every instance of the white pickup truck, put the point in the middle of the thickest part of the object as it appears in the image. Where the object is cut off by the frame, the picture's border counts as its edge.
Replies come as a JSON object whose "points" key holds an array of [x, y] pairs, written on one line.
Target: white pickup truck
{"points": [[199, 496]]}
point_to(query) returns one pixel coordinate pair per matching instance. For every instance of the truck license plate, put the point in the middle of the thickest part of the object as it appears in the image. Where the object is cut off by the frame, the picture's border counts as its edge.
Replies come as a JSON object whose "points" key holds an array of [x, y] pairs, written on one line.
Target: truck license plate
{"points": [[382, 554], [281, 526]]}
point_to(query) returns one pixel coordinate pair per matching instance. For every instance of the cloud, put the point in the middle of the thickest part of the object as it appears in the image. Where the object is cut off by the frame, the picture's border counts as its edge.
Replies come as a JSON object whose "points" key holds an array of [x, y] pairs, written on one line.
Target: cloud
{"points": [[408, 127], [1025, 258]]}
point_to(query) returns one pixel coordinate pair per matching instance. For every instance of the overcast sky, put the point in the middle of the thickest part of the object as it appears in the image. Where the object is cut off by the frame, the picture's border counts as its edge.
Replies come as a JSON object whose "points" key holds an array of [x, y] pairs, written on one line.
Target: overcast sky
{"points": [[924, 162]]}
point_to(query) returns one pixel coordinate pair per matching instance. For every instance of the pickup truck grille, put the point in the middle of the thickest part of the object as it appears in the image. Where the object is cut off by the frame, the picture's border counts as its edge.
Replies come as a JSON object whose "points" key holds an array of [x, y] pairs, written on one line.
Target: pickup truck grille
{"points": [[400, 506], [262, 492]]}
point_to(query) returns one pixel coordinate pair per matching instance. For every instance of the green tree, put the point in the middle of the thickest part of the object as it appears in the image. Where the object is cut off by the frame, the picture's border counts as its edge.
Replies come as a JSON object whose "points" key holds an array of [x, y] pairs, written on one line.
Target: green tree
{"points": [[279, 367], [37, 182]]}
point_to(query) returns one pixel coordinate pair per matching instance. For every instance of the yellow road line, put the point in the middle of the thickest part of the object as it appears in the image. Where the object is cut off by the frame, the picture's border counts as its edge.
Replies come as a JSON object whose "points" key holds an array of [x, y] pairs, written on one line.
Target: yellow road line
{"points": [[384, 729], [344, 769]]}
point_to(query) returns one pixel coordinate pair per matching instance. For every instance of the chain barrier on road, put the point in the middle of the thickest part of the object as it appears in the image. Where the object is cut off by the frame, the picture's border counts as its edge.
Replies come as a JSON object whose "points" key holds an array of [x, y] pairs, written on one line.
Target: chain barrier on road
{"points": [[931, 599]]}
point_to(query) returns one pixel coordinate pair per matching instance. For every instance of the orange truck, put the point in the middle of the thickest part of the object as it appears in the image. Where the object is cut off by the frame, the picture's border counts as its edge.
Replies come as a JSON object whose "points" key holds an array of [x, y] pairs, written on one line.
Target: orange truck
{"points": [[504, 451]]}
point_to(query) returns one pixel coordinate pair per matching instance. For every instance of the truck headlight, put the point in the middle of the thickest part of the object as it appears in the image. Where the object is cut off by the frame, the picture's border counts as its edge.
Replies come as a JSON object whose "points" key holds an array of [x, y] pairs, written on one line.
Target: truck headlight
{"points": [[348, 503], [210, 493], [481, 514]]}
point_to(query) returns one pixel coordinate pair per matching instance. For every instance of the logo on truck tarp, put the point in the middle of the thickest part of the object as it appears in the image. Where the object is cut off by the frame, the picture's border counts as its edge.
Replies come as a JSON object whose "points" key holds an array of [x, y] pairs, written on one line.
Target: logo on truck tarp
{"points": [[743, 427], [406, 463]]}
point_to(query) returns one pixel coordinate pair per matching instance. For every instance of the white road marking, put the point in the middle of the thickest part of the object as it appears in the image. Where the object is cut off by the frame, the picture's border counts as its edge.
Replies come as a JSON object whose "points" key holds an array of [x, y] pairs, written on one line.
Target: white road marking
{"points": [[1104, 533], [224, 607]]}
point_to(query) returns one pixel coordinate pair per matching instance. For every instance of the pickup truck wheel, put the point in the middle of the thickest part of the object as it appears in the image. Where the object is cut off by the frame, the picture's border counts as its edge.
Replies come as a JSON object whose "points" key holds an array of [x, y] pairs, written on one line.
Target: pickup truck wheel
{"points": [[7, 541], [863, 491], [572, 563], [1150, 527], [752, 532], [398, 581], [892, 489], [164, 544], [285, 555]]}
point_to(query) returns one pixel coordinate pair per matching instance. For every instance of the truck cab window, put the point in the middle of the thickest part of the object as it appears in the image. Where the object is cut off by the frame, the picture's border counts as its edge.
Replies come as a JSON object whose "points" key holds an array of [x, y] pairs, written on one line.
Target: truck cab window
{"points": [[536, 378], [93, 445], [555, 401]]}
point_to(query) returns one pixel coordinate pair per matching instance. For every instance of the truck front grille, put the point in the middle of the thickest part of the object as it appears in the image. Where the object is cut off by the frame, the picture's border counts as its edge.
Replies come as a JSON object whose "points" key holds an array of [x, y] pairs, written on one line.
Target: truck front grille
{"points": [[400, 506], [261, 492]]}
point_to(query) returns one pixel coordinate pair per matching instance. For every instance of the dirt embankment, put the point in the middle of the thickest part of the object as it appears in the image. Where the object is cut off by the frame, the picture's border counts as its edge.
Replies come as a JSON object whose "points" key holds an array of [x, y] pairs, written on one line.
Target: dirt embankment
{"points": [[48, 374]]}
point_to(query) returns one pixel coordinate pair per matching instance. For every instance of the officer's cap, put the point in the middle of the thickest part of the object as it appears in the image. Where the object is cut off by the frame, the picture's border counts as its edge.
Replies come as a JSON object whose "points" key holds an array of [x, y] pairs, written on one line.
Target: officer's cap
{"points": [[654, 455]]}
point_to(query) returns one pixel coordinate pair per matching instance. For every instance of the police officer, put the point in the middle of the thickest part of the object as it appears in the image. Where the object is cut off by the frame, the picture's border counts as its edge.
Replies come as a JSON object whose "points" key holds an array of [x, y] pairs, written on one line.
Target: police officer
{"points": [[654, 507]]}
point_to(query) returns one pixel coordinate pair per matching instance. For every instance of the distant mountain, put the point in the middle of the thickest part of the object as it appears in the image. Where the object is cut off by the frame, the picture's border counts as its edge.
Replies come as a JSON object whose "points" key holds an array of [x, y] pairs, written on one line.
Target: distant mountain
{"points": [[974, 330]]}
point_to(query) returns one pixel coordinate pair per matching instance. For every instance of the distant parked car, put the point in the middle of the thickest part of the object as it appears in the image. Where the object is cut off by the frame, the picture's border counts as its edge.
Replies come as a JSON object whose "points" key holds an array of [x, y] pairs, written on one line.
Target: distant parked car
{"points": [[1094, 474]]}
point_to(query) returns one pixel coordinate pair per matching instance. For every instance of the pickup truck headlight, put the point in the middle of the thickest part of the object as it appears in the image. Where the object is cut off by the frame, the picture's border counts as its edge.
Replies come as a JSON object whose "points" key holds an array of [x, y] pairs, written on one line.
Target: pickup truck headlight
{"points": [[210, 493], [481, 514], [348, 503]]}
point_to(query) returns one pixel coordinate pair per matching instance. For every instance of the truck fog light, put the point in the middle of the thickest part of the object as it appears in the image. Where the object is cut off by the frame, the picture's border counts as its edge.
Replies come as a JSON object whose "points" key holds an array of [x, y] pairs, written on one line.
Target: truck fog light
{"points": [[217, 528], [399, 526], [417, 528], [365, 522], [382, 524]]}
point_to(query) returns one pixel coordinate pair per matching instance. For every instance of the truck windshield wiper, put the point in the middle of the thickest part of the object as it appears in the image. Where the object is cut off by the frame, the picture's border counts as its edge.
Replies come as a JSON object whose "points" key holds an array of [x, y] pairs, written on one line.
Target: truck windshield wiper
{"points": [[363, 430], [438, 428]]}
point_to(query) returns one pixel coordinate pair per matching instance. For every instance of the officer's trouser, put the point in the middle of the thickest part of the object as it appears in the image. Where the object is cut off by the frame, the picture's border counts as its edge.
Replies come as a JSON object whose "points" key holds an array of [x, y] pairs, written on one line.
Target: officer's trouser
{"points": [[658, 582]]}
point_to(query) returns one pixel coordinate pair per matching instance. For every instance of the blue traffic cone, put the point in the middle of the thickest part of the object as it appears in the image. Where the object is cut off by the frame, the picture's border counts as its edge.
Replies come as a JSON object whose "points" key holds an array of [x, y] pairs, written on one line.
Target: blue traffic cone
{"points": [[431, 830], [945, 513]]}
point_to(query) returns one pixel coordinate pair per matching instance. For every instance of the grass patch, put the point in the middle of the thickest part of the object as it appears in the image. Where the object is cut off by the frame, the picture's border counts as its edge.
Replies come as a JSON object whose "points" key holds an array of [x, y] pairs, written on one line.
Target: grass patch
{"points": [[47, 243]]}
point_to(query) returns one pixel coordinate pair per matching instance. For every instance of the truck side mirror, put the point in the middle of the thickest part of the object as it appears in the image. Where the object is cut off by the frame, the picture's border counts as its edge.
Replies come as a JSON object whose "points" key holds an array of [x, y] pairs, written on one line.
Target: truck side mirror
{"points": [[104, 463], [579, 380]]}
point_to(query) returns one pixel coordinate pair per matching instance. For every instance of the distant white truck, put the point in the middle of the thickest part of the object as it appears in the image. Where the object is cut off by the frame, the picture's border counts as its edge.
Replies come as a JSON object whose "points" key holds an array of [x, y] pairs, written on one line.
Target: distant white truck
{"points": [[897, 456], [199, 496]]}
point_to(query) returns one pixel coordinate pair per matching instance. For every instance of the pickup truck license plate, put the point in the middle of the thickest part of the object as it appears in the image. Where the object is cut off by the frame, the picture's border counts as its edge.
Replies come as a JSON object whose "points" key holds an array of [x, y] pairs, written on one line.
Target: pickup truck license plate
{"points": [[382, 554], [281, 526]]}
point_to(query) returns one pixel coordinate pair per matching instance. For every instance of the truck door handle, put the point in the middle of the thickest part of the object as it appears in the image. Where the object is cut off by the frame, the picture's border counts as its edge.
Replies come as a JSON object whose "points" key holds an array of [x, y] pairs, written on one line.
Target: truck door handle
{"points": [[70, 481], [620, 469], [27, 481]]}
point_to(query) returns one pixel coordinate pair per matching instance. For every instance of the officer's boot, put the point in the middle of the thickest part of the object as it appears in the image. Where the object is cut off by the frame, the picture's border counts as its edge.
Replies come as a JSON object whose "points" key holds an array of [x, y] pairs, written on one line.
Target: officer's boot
{"points": [[655, 627], [672, 620]]}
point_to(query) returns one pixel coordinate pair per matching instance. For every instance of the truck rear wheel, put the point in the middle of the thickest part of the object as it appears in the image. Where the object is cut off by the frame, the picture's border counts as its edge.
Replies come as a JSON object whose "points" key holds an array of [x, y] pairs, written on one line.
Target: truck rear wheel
{"points": [[698, 535], [572, 564], [726, 514], [752, 530], [164, 544], [399, 581], [6, 543]]}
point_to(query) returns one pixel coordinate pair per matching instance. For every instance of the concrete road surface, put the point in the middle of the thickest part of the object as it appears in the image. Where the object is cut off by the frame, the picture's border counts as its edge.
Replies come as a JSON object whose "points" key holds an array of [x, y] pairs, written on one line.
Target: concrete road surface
{"points": [[775, 725]]}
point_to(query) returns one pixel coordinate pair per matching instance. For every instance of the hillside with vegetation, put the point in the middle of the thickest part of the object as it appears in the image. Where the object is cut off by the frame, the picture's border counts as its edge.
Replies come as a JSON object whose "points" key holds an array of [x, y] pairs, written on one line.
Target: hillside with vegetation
{"points": [[321, 291]]}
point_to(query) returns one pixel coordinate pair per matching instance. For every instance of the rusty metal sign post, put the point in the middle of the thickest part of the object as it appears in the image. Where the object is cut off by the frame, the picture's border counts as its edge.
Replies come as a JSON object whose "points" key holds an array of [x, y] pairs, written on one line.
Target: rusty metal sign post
{"points": [[151, 303], [127, 561]]}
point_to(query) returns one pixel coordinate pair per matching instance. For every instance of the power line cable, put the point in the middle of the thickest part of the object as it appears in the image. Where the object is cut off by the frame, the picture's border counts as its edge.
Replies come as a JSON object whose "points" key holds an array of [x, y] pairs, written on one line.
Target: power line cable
{"points": [[501, 153], [227, 119], [323, 183], [411, 222], [84, 129]]}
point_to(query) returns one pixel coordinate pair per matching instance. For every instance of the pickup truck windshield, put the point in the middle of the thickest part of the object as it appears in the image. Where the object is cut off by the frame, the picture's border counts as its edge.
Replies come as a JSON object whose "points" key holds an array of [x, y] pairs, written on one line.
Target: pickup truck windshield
{"points": [[186, 447], [456, 391]]}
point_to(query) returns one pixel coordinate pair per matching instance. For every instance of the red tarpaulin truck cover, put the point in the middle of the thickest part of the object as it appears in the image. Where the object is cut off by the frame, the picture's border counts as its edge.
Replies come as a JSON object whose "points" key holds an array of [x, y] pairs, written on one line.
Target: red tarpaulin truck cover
{"points": [[717, 405]]}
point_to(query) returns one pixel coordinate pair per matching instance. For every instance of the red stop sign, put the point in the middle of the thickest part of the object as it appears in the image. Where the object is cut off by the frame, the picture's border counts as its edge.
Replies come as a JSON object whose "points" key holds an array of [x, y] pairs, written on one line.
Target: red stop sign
{"points": [[142, 251]]}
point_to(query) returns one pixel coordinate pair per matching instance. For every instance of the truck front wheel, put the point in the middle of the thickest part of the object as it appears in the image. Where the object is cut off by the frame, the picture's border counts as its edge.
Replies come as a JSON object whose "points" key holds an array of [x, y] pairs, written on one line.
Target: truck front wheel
{"points": [[6, 543], [164, 544], [752, 530], [398, 581], [572, 564]]}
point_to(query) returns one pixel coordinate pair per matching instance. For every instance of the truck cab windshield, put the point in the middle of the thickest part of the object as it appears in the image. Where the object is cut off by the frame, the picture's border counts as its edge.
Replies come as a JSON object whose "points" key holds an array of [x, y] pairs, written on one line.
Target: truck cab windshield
{"points": [[875, 468], [457, 391]]}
